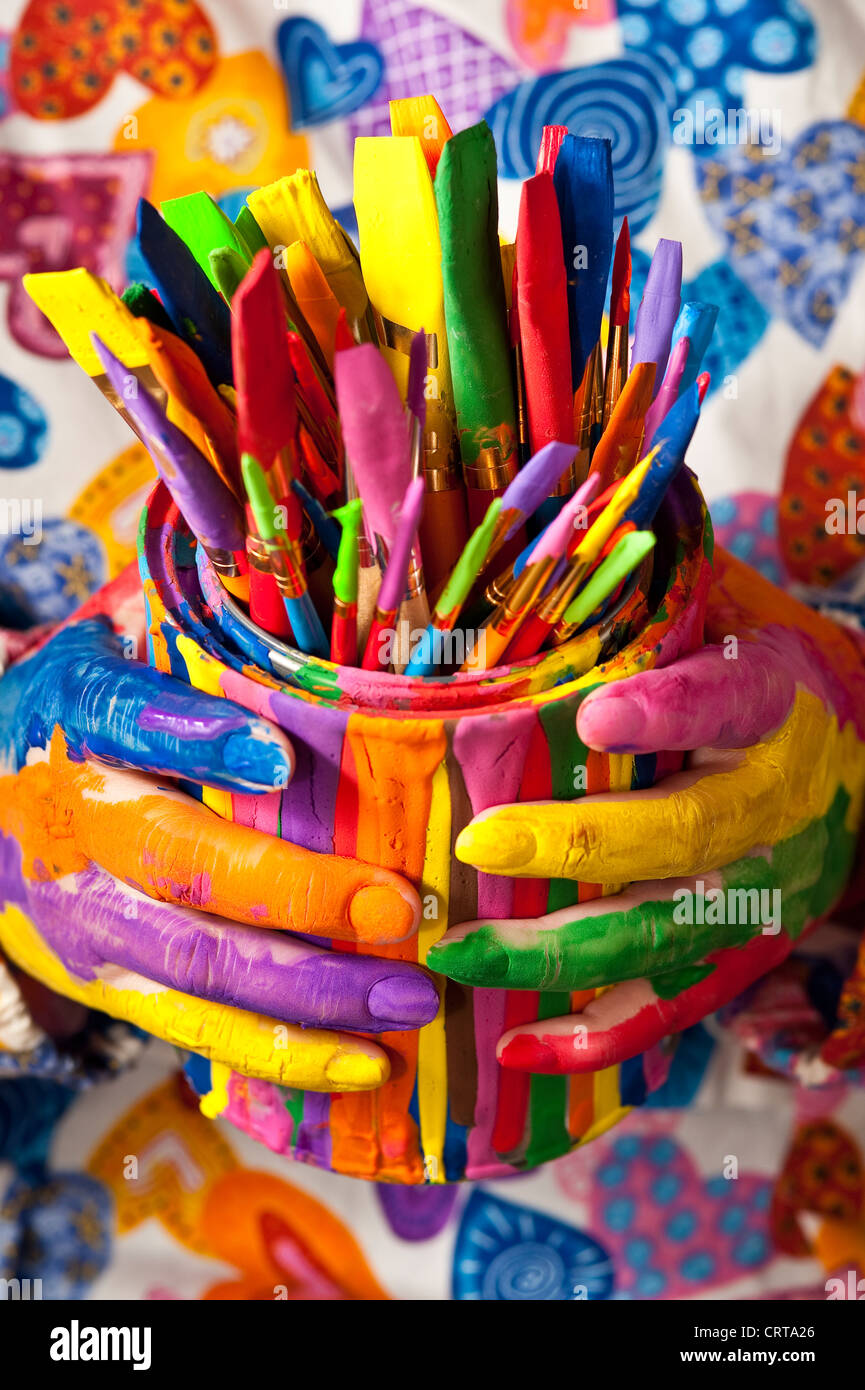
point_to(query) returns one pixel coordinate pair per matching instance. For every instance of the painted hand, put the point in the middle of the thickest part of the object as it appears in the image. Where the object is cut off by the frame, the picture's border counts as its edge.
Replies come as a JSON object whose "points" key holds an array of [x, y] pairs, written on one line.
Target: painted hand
{"points": [[728, 862], [122, 893]]}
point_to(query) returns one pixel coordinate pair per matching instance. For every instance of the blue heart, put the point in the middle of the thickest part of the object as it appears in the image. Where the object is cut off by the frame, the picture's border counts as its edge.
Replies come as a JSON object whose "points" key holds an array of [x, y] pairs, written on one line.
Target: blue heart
{"points": [[325, 80], [793, 222], [708, 45], [506, 1253], [628, 100]]}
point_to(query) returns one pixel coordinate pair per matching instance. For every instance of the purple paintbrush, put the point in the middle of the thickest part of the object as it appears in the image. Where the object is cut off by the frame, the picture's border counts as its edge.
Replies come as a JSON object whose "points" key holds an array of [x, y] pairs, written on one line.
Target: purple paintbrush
{"points": [[212, 512], [659, 309], [393, 584], [532, 486]]}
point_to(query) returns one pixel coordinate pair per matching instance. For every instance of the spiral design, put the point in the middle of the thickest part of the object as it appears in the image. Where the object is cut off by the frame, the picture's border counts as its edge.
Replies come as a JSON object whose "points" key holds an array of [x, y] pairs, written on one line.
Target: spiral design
{"points": [[508, 1253], [626, 101]]}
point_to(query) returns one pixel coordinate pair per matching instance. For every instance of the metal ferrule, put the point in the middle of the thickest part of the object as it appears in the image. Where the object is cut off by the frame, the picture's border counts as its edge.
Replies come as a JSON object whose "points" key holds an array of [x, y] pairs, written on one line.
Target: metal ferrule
{"points": [[491, 471]]}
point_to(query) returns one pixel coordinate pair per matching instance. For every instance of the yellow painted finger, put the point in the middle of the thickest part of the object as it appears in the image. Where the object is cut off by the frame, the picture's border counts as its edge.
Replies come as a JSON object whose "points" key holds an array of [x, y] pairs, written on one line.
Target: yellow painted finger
{"points": [[252, 1044], [691, 823]]}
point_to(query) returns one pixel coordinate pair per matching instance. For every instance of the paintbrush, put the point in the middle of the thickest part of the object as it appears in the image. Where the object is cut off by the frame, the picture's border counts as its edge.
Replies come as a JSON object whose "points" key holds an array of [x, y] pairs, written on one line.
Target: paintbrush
{"points": [[293, 209], [380, 648], [247, 227], [212, 512], [616, 370], [143, 303], [422, 117], [696, 322], [428, 654], [659, 308], [399, 234], [583, 182], [524, 495], [284, 556], [78, 303], [671, 443], [553, 543], [669, 392], [543, 315], [619, 446], [264, 375], [343, 632], [227, 269], [551, 607], [548, 151], [203, 226], [326, 528], [198, 312], [629, 551], [192, 403], [318, 303], [466, 193]]}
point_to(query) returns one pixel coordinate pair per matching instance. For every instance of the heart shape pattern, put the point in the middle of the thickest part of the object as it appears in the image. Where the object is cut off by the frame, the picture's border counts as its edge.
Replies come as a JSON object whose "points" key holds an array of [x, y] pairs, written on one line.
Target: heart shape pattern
{"points": [[66, 53], [23, 426], [823, 1173], [63, 211], [670, 1232], [325, 80], [709, 45], [793, 222], [425, 52], [825, 459], [512, 1254], [57, 1231], [626, 100]]}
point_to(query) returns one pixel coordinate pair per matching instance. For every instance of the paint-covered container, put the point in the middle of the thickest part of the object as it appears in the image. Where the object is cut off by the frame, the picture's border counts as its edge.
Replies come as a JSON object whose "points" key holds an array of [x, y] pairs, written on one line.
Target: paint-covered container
{"points": [[390, 770]]}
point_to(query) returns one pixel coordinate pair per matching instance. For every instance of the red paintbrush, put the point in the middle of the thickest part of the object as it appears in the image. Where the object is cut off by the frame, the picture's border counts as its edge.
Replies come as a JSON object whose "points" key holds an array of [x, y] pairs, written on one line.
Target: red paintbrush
{"points": [[542, 306], [266, 416], [616, 373], [551, 143]]}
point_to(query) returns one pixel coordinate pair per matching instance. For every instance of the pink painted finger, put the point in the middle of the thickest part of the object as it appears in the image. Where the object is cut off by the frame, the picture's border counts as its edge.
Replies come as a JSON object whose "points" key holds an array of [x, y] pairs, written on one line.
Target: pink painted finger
{"points": [[706, 699], [631, 1017]]}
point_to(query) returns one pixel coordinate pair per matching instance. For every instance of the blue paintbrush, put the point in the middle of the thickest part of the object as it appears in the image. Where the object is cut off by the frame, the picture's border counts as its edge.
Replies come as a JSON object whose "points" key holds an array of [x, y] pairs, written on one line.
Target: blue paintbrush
{"points": [[583, 180], [199, 314]]}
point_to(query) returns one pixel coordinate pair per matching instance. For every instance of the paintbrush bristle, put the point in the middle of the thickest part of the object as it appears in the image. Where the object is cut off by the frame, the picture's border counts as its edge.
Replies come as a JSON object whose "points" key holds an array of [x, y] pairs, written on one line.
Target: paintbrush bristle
{"points": [[620, 293]]}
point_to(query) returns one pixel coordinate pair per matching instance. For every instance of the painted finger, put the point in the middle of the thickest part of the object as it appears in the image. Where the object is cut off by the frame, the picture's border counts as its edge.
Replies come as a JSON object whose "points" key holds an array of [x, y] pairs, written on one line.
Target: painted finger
{"points": [[250, 1043], [704, 699], [95, 924], [645, 930], [127, 715], [66, 815], [631, 1018], [691, 823]]}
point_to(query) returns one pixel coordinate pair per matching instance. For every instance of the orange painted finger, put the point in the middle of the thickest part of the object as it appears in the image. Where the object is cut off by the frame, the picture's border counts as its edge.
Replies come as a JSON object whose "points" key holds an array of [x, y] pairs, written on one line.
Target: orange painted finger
{"points": [[66, 814]]}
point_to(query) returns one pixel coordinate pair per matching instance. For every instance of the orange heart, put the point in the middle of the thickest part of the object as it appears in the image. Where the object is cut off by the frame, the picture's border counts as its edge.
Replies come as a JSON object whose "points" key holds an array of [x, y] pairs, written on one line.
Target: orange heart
{"points": [[66, 53]]}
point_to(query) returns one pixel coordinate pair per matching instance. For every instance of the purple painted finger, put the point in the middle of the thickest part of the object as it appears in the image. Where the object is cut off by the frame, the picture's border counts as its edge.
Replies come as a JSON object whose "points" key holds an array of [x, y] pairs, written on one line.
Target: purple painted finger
{"points": [[702, 700], [96, 924]]}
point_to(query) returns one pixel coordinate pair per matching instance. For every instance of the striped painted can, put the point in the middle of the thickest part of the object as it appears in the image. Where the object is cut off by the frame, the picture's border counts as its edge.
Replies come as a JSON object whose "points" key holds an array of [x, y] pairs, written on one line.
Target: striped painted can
{"points": [[390, 770]]}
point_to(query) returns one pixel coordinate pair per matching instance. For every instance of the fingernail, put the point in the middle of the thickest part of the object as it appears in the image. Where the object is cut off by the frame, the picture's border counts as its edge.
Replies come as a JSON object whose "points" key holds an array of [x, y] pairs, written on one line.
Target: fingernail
{"points": [[256, 760], [356, 1071], [478, 959], [379, 912], [403, 1001], [526, 1052], [496, 846], [612, 722]]}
